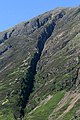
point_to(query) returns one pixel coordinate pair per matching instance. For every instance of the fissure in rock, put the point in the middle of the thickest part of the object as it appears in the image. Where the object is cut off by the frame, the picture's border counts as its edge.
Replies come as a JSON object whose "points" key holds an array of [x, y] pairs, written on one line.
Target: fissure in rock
{"points": [[27, 83]]}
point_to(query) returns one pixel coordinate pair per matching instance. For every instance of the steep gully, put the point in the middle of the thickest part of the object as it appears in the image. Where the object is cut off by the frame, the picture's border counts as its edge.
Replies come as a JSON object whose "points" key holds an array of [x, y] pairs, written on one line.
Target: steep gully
{"points": [[27, 83]]}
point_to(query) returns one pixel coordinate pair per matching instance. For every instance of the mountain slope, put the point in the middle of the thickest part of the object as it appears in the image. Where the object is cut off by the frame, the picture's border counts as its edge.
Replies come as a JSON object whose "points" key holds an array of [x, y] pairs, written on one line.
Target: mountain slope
{"points": [[40, 68]]}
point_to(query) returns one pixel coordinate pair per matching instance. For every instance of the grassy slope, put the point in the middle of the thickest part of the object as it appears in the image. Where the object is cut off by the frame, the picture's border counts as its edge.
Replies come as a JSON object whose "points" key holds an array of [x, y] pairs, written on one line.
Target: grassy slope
{"points": [[64, 59], [44, 111], [60, 64]]}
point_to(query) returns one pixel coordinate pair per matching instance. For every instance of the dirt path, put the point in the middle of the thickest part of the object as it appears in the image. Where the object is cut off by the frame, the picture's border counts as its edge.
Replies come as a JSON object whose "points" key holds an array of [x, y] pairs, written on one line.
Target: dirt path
{"points": [[73, 96], [72, 103]]}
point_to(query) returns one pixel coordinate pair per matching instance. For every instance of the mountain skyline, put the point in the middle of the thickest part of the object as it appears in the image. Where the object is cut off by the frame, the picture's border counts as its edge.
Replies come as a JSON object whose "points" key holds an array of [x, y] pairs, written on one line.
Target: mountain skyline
{"points": [[40, 67], [14, 12]]}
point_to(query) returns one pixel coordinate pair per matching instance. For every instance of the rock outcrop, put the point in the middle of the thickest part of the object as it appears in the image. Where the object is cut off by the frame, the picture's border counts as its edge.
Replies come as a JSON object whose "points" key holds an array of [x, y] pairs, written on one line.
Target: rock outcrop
{"points": [[41, 58]]}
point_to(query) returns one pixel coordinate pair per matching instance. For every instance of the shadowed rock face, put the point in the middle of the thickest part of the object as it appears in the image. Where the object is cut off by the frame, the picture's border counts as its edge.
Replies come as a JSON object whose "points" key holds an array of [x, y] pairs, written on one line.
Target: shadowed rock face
{"points": [[31, 72], [38, 58]]}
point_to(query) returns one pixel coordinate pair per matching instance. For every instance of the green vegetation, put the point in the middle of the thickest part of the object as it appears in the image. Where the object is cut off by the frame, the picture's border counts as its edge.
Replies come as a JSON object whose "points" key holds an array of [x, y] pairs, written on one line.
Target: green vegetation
{"points": [[31, 70], [44, 111], [71, 115], [6, 114]]}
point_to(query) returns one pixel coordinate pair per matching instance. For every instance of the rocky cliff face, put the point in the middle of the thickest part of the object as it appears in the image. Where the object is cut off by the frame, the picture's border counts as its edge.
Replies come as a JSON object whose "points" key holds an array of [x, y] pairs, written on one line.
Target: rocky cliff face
{"points": [[40, 68]]}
